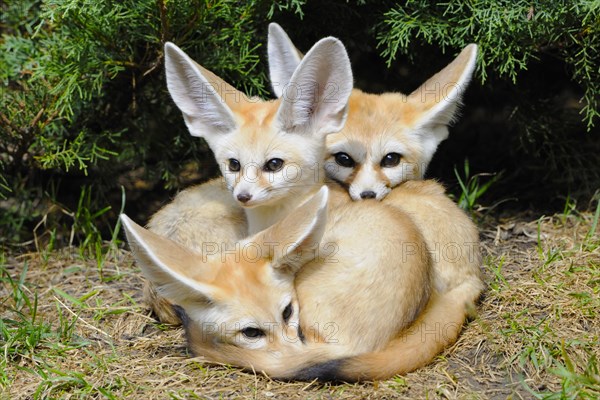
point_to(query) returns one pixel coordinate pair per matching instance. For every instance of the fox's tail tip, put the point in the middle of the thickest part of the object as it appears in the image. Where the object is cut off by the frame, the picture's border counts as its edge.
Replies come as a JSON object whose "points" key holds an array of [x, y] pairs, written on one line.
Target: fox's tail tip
{"points": [[327, 371]]}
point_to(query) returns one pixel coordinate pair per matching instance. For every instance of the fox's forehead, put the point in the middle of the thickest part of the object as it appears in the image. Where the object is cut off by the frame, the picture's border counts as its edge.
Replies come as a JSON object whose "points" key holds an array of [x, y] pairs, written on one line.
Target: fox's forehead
{"points": [[372, 114], [254, 284], [376, 125], [259, 138], [256, 128], [255, 114], [246, 274]]}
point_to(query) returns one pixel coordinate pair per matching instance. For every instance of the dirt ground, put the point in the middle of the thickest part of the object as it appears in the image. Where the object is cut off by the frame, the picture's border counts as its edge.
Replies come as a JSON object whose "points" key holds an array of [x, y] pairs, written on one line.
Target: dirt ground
{"points": [[74, 328]]}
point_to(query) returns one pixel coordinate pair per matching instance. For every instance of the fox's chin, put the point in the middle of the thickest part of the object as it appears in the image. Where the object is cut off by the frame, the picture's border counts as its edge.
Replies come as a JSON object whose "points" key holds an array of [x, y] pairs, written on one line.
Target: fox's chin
{"points": [[247, 206], [250, 204]]}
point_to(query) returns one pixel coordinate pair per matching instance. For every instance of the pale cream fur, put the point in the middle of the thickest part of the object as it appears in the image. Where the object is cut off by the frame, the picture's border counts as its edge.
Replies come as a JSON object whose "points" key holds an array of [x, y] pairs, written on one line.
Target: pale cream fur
{"points": [[456, 280]]}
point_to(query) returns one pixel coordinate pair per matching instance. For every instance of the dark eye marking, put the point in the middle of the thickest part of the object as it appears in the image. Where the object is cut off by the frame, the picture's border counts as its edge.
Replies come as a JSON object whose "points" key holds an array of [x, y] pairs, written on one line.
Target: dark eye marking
{"points": [[390, 160], [344, 160], [233, 165], [273, 165], [253, 333], [287, 312]]}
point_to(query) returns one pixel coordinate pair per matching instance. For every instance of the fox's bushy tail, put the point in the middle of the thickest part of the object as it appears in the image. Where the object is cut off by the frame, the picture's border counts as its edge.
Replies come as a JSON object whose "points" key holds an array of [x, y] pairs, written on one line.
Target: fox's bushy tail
{"points": [[437, 328]]}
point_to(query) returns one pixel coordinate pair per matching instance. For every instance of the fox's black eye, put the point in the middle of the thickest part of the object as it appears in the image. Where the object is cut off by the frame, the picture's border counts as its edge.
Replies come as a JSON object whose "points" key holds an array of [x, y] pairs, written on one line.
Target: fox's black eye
{"points": [[233, 165], [287, 312], [390, 160], [344, 160], [253, 333], [273, 165]]}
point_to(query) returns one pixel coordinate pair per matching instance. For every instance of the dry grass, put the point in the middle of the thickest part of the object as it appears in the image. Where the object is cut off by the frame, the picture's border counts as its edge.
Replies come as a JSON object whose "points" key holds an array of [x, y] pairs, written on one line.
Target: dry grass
{"points": [[88, 335]]}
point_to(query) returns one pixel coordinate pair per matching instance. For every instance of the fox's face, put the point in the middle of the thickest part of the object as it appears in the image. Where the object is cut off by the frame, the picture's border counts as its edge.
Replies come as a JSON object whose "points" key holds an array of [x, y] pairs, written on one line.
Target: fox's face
{"points": [[388, 138], [379, 147], [251, 305], [232, 297], [267, 151], [261, 162], [240, 303]]}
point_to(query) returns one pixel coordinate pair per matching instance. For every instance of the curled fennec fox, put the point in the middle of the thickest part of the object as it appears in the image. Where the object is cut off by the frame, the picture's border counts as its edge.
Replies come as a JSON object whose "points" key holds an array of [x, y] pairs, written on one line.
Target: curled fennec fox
{"points": [[327, 294], [388, 138], [436, 327]]}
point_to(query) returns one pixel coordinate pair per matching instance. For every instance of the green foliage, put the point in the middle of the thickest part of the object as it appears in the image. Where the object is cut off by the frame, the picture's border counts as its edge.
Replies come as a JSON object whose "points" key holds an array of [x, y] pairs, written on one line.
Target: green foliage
{"points": [[22, 332], [84, 102], [288, 5], [472, 187], [589, 237], [510, 33]]}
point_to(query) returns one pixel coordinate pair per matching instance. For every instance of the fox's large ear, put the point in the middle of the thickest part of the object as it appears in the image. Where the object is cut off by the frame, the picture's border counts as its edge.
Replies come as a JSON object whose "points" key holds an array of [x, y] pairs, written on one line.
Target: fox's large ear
{"points": [[296, 239], [172, 268], [440, 97], [316, 99], [199, 94], [284, 58]]}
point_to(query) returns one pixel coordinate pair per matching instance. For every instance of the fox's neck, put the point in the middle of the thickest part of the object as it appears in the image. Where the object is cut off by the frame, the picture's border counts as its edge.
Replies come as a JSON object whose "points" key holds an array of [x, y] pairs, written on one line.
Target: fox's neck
{"points": [[262, 217]]}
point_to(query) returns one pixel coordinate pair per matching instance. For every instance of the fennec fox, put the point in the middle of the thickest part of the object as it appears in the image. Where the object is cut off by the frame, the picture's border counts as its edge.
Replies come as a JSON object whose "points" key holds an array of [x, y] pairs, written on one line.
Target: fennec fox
{"points": [[270, 152], [327, 293]]}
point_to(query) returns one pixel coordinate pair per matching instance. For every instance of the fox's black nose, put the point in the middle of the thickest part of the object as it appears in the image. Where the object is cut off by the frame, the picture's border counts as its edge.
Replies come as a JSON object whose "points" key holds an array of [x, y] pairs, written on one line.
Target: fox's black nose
{"points": [[244, 197], [368, 194]]}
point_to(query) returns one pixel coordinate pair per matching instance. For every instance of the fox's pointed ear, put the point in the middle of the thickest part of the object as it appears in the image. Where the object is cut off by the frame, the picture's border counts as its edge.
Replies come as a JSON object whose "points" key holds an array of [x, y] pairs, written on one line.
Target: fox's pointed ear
{"points": [[284, 58], [172, 268], [199, 94], [296, 239], [440, 97], [316, 99]]}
